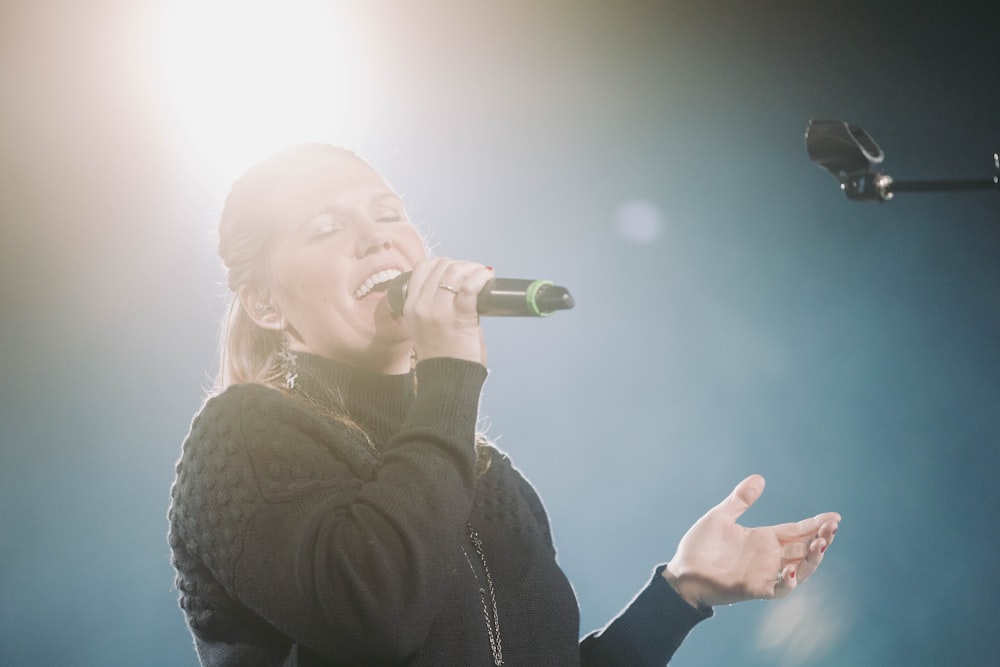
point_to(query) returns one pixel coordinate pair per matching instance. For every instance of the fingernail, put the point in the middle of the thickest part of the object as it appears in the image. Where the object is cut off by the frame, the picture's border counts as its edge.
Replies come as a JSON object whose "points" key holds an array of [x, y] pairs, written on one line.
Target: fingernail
{"points": [[792, 574], [834, 532], [823, 549], [489, 268]]}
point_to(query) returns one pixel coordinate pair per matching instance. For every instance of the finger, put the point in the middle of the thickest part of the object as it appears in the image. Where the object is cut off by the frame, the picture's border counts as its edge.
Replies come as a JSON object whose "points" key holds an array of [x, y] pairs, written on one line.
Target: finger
{"points": [[443, 283], [423, 283], [468, 279], [787, 582], [743, 496], [807, 528], [828, 530], [439, 290], [816, 551], [794, 552], [796, 531]]}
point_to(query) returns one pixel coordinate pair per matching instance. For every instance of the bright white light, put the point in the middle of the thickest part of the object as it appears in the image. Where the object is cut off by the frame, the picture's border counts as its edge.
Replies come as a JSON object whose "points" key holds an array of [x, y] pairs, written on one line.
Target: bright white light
{"points": [[245, 78]]}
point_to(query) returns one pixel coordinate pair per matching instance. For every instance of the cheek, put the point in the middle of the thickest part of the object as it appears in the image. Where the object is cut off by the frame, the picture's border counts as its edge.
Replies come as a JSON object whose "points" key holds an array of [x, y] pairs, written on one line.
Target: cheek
{"points": [[302, 282], [414, 244]]}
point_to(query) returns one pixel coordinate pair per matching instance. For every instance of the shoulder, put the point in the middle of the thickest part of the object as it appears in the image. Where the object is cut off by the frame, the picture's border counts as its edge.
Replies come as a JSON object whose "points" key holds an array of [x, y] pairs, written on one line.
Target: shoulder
{"points": [[276, 442], [220, 428], [234, 404], [223, 413], [258, 416], [214, 454]]}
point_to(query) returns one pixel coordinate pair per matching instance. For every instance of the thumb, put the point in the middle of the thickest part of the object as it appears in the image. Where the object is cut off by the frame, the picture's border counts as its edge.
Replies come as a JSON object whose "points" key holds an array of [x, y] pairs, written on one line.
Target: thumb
{"points": [[743, 496]]}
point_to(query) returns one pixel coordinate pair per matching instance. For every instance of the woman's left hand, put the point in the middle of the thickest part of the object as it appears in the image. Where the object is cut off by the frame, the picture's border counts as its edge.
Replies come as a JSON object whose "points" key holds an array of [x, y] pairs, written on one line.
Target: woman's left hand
{"points": [[720, 562]]}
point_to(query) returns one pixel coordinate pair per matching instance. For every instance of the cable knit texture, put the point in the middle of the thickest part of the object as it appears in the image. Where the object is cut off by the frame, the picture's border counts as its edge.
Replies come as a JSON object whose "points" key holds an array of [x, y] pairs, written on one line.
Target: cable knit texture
{"points": [[301, 540]]}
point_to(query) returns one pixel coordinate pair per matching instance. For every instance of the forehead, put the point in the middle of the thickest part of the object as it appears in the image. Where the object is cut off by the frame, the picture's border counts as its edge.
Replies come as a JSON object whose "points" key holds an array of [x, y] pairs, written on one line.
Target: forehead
{"points": [[339, 181]]}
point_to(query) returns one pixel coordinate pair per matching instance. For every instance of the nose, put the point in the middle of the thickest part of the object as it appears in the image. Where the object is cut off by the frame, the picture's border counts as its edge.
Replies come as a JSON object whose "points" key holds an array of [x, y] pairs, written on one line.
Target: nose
{"points": [[372, 238]]}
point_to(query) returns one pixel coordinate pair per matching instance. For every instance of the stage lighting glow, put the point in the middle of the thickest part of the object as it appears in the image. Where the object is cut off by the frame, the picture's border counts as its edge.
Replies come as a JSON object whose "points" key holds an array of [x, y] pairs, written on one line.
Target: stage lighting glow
{"points": [[805, 627], [245, 78]]}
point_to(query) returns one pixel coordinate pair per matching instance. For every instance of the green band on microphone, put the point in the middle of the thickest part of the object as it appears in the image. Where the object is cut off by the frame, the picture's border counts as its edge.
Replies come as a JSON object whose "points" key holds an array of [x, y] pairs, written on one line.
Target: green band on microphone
{"points": [[532, 293]]}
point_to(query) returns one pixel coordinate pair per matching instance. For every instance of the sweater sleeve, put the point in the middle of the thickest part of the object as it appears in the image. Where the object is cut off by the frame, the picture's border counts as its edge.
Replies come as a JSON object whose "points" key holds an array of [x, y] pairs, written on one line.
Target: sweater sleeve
{"points": [[647, 632], [351, 563]]}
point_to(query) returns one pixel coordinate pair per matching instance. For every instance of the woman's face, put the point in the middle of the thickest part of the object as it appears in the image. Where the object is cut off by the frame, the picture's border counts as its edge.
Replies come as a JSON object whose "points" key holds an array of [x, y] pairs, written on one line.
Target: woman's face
{"points": [[345, 231]]}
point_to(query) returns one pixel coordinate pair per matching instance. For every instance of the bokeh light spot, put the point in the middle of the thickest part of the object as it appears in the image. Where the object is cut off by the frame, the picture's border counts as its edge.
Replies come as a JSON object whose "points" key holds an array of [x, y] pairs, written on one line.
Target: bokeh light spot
{"points": [[639, 221], [804, 627]]}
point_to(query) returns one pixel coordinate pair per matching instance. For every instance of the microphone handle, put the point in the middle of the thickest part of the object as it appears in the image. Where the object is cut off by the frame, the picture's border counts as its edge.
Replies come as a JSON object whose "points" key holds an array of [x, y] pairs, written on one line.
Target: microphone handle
{"points": [[512, 297], [502, 297]]}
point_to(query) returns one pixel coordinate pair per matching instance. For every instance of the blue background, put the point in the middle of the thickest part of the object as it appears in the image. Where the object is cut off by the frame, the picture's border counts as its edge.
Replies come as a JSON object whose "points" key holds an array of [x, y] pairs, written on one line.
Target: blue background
{"points": [[743, 316]]}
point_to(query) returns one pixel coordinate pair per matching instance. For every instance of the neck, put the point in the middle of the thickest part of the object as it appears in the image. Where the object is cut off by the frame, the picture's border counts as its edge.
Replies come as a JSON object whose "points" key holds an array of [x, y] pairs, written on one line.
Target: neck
{"points": [[383, 359], [393, 360], [375, 402]]}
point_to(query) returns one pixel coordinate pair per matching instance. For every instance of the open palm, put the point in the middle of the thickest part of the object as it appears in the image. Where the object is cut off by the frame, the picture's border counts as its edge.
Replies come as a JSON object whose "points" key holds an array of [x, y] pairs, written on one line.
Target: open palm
{"points": [[720, 562]]}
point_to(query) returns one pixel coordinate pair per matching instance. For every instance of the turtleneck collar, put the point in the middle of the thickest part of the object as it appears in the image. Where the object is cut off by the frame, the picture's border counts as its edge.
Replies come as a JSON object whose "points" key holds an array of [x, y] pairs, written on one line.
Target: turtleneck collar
{"points": [[377, 403]]}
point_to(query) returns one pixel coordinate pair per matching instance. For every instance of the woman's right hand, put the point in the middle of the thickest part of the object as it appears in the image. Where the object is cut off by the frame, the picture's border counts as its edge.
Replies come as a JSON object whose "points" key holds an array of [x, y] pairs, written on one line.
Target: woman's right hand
{"points": [[440, 309]]}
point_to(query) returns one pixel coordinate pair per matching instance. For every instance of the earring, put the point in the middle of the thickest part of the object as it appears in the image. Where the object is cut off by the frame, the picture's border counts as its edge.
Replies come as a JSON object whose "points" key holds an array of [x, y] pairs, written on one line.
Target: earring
{"points": [[289, 364]]}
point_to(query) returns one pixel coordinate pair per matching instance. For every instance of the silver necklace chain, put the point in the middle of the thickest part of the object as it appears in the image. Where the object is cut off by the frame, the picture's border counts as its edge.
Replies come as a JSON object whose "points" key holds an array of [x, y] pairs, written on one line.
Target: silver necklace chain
{"points": [[492, 624]]}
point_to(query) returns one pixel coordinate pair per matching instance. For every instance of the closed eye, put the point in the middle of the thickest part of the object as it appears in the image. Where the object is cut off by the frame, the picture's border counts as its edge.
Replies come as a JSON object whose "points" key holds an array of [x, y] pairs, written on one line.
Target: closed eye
{"points": [[324, 225], [388, 208], [389, 215]]}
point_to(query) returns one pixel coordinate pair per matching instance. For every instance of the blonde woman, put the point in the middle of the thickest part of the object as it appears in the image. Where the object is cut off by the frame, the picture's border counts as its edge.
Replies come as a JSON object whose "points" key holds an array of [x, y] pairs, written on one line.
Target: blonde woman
{"points": [[333, 503]]}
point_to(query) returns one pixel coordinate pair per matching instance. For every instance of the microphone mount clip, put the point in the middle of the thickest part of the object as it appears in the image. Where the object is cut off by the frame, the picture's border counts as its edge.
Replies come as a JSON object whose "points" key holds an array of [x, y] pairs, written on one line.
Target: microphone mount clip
{"points": [[850, 154]]}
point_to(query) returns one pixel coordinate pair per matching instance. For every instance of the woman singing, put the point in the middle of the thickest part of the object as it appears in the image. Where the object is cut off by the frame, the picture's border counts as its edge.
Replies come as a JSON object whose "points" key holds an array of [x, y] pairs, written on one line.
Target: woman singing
{"points": [[334, 504]]}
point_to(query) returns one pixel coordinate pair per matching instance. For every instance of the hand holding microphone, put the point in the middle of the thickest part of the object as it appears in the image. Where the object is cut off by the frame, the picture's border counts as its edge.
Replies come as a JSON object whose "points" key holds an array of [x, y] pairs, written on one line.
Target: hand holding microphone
{"points": [[440, 311], [510, 297]]}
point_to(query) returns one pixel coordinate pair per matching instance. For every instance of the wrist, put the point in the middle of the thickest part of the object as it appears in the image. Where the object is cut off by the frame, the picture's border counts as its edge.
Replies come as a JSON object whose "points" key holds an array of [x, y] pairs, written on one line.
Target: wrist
{"points": [[682, 585], [467, 348]]}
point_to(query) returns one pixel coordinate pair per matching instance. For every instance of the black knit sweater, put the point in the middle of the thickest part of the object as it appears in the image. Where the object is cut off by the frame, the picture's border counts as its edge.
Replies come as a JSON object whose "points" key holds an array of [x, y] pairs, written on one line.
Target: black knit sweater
{"points": [[299, 539]]}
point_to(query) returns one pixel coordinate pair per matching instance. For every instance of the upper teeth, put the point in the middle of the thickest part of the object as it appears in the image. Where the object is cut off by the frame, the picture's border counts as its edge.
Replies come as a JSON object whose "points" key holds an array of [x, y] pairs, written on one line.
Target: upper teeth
{"points": [[369, 285]]}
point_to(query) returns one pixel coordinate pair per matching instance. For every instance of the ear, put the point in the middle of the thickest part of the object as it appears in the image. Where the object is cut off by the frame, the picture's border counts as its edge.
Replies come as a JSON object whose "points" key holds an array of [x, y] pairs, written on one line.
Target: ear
{"points": [[261, 310]]}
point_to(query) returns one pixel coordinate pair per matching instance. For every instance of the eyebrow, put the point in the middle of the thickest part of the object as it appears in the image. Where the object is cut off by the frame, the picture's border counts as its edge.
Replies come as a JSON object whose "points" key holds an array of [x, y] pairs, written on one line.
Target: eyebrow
{"points": [[388, 194]]}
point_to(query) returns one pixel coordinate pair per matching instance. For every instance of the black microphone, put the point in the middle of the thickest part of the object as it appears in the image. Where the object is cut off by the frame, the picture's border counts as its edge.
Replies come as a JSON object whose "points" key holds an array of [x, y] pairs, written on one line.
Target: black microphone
{"points": [[500, 297]]}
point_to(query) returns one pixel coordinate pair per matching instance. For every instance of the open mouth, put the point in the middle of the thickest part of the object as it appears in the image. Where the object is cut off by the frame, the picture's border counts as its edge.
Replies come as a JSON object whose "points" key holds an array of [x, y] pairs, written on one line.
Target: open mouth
{"points": [[376, 282]]}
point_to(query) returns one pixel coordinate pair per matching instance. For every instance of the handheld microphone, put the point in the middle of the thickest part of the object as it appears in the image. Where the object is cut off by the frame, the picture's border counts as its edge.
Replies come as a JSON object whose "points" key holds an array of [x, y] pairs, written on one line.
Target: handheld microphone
{"points": [[505, 297]]}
